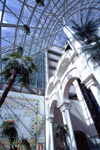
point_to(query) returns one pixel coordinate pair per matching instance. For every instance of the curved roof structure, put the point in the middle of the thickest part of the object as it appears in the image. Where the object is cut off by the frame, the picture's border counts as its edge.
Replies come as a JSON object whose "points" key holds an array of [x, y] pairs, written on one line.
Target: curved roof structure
{"points": [[46, 22]]}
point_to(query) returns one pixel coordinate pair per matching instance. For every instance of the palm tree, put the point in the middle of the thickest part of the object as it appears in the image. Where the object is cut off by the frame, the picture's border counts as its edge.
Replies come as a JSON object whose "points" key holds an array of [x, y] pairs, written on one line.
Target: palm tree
{"points": [[16, 68], [25, 143], [86, 29], [8, 130], [61, 132]]}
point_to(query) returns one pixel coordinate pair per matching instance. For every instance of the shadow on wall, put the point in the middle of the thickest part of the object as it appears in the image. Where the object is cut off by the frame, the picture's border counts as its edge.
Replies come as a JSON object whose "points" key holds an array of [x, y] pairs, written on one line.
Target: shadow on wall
{"points": [[81, 140], [79, 125], [79, 120], [57, 119]]}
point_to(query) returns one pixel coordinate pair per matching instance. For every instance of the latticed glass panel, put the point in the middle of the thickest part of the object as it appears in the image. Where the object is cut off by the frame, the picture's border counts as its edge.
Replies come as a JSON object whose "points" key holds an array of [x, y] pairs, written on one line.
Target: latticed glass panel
{"points": [[39, 60], [37, 78]]}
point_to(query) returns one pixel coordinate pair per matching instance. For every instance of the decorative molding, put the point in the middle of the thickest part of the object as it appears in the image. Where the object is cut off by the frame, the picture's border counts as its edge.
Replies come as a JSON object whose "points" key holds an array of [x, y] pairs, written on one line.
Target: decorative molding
{"points": [[46, 98], [50, 118], [64, 105], [90, 81]]}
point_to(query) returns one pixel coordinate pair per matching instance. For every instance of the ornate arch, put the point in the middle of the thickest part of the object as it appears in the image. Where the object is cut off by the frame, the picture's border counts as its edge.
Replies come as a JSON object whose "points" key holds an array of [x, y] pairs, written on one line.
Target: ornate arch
{"points": [[68, 80]]}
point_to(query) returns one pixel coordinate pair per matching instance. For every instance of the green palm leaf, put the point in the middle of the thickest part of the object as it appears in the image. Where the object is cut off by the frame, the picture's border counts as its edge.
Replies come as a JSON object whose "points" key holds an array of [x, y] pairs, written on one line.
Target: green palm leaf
{"points": [[33, 66], [23, 67], [8, 129], [93, 50], [16, 69], [60, 130], [5, 59], [25, 143], [86, 29], [28, 58], [20, 49]]}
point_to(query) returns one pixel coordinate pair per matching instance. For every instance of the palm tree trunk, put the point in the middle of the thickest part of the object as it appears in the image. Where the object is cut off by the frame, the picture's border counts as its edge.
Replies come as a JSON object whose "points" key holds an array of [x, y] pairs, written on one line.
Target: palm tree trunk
{"points": [[65, 141], [62, 143], [10, 83]]}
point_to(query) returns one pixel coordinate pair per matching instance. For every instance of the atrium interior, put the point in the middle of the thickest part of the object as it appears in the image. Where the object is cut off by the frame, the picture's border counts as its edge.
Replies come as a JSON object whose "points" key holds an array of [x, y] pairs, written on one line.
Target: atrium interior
{"points": [[49, 74]]}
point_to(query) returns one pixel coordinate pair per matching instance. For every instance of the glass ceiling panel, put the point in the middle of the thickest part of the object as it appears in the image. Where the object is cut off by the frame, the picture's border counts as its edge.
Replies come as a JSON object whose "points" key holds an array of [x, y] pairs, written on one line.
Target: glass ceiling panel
{"points": [[46, 23], [1, 7], [9, 18], [7, 32], [15, 6], [4, 43]]}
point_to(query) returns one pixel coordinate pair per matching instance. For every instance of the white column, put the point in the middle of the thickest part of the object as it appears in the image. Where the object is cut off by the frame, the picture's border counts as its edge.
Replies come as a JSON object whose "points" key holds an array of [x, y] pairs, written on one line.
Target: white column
{"points": [[65, 123], [51, 134], [60, 95], [72, 138], [47, 125], [96, 93], [64, 107], [64, 119], [46, 67], [91, 84]]}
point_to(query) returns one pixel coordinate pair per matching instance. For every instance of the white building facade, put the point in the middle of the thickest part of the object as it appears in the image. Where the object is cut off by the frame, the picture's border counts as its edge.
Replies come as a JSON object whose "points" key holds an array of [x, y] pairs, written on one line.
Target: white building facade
{"points": [[71, 68]]}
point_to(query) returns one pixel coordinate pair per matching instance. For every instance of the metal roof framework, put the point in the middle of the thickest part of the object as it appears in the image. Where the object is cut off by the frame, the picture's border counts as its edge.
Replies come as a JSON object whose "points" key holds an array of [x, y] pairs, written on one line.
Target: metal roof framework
{"points": [[46, 23]]}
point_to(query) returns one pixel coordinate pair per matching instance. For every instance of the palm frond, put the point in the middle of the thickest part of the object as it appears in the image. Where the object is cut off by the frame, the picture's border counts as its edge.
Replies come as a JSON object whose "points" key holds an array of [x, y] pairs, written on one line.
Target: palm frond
{"points": [[24, 78], [6, 74], [86, 30], [96, 22], [20, 49], [13, 55], [28, 58], [29, 69], [25, 143], [23, 67], [75, 25], [34, 66], [87, 16], [60, 130], [8, 129], [93, 50], [5, 59], [56, 126]]}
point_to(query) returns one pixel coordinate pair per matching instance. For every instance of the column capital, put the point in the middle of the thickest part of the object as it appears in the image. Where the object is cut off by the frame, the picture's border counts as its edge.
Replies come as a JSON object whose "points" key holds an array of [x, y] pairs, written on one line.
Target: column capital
{"points": [[50, 118], [90, 81], [46, 98], [64, 105]]}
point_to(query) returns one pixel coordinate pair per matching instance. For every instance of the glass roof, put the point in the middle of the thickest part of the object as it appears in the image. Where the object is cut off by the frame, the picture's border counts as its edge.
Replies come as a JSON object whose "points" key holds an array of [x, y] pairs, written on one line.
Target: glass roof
{"points": [[46, 22]]}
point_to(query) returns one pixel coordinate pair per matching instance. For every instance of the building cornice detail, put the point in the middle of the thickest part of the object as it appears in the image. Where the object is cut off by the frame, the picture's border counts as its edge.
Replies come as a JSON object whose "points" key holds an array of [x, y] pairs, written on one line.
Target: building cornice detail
{"points": [[90, 81], [50, 118], [64, 105]]}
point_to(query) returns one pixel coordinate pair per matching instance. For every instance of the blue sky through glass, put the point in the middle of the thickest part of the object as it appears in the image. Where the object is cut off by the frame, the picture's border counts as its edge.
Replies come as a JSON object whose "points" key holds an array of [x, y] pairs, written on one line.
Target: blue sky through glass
{"points": [[46, 23]]}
